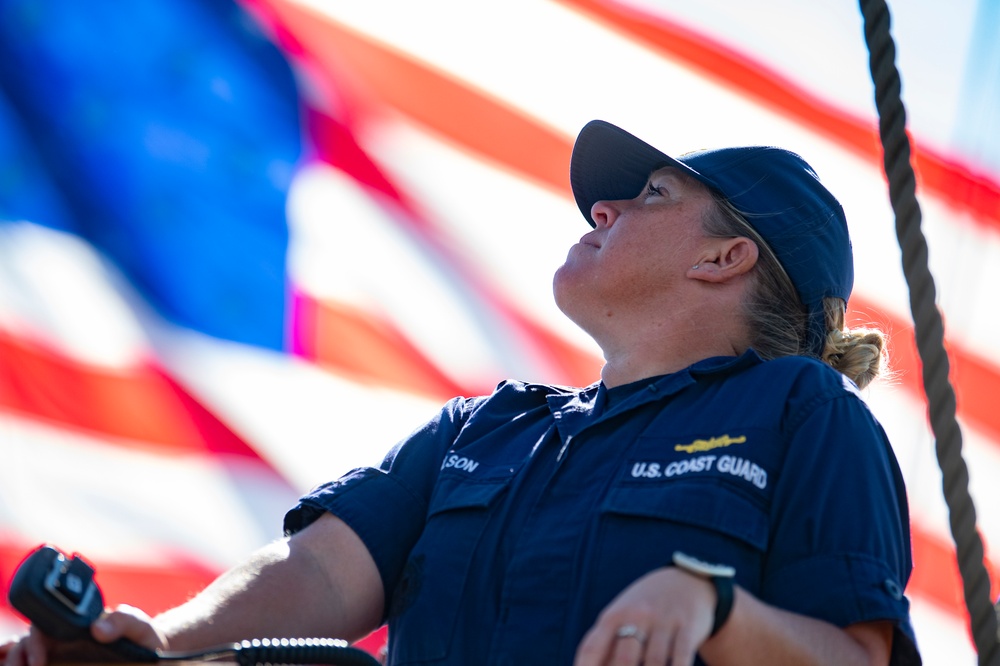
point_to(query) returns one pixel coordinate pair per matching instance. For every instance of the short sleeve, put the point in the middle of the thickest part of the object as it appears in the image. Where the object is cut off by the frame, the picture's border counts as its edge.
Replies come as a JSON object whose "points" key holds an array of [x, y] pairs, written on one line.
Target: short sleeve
{"points": [[387, 506], [840, 547]]}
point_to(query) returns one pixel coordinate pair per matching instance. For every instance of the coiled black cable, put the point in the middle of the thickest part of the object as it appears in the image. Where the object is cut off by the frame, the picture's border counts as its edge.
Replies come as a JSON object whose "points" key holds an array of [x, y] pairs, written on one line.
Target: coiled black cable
{"points": [[258, 652], [301, 651]]}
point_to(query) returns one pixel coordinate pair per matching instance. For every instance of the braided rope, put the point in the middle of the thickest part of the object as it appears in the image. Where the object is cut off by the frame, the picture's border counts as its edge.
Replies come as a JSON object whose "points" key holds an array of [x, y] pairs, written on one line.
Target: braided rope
{"points": [[929, 330]]}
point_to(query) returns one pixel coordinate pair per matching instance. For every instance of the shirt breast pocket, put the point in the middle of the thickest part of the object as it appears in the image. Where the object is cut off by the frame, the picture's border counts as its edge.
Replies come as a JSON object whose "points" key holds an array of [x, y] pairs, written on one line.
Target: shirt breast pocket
{"points": [[426, 601], [643, 524]]}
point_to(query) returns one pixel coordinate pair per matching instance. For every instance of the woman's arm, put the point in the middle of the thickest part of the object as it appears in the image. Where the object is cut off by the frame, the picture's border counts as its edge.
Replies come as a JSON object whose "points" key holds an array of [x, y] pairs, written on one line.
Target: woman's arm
{"points": [[758, 633], [673, 611], [321, 582]]}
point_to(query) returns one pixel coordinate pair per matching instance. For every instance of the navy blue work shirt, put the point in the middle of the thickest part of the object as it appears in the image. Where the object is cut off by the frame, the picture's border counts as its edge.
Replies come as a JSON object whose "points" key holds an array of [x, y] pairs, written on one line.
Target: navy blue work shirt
{"points": [[503, 526]]}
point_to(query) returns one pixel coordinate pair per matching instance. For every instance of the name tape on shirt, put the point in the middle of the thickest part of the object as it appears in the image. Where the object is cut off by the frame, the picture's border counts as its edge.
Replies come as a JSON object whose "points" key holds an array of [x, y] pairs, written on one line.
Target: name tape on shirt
{"points": [[460, 462]]}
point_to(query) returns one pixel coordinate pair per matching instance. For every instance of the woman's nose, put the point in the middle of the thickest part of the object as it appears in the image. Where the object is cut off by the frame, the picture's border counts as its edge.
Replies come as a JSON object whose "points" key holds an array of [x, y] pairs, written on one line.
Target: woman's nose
{"points": [[603, 213]]}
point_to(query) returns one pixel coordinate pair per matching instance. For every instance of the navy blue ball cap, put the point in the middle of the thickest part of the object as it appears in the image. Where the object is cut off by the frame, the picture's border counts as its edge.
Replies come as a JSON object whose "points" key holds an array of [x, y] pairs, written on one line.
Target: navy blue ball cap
{"points": [[777, 192]]}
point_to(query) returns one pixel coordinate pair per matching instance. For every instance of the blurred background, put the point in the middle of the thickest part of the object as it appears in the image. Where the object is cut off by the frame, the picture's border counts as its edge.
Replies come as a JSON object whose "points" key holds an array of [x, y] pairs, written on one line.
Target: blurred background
{"points": [[248, 245]]}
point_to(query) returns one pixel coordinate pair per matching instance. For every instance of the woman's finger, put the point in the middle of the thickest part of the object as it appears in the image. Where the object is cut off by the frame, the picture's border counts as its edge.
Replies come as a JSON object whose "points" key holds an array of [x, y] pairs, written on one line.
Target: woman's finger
{"points": [[127, 622]]}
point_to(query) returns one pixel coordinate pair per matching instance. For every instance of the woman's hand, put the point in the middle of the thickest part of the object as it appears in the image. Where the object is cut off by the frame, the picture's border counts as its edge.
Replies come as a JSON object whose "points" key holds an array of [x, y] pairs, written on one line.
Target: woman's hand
{"points": [[30, 649], [35, 648], [661, 618]]}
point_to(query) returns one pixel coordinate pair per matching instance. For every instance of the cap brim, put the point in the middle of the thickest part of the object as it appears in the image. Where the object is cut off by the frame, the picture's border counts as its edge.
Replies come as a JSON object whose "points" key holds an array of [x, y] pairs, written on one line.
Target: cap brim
{"points": [[608, 163]]}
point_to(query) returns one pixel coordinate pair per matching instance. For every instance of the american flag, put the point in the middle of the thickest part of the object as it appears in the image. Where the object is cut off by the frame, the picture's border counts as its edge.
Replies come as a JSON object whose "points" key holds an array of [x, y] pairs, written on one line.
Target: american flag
{"points": [[248, 246]]}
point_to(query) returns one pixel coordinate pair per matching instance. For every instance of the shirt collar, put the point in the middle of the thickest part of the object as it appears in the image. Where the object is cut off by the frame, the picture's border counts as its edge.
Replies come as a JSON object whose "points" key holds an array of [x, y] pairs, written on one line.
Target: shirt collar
{"points": [[593, 397], [725, 364], [666, 385]]}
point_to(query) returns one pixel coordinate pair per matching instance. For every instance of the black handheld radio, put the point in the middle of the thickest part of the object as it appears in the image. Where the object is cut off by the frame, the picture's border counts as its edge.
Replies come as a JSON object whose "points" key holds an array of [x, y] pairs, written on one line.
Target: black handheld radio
{"points": [[57, 594]]}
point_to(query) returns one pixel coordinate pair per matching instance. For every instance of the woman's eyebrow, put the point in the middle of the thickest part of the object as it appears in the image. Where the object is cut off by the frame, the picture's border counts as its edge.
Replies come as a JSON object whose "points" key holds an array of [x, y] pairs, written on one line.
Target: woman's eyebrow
{"points": [[672, 174]]}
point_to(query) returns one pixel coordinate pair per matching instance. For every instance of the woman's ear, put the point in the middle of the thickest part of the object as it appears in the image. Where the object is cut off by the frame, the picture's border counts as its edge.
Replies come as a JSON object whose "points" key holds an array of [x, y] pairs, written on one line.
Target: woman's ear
{"points": [[726, 260]]}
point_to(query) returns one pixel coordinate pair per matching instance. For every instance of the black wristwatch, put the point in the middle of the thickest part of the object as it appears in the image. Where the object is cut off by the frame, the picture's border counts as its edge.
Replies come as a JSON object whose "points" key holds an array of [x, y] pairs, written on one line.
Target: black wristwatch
{"points": [[720, 575]]}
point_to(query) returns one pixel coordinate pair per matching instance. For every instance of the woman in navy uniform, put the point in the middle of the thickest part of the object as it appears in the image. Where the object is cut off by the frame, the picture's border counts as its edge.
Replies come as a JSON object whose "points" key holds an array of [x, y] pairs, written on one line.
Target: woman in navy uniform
{"points": [[721, 496]]}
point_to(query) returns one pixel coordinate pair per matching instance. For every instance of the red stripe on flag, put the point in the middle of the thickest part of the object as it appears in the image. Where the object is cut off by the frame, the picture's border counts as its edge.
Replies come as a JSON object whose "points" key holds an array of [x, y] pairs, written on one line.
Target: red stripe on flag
{"points": [[136, 407], [976, 380], [354, 343], [936, 577]]}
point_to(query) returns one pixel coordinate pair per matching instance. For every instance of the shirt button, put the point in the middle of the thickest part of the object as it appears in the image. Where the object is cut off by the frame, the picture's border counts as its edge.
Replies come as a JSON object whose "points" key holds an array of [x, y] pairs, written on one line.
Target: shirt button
{"points": [[893, 588]]}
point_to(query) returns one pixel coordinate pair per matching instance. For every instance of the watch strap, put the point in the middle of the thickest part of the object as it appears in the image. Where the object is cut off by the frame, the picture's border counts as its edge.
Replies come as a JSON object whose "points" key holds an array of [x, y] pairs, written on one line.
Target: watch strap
{"points": [[724, 601], [721, 577]]}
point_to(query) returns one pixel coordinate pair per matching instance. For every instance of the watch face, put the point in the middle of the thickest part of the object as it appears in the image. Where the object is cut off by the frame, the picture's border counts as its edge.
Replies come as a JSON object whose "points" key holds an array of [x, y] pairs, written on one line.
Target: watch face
{"points": [[696, 566]]}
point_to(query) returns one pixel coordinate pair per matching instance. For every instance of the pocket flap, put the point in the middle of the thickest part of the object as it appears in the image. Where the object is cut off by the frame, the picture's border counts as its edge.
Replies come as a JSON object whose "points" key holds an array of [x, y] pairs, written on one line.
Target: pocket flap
{"points": [[454, 492], [709, 506]]}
